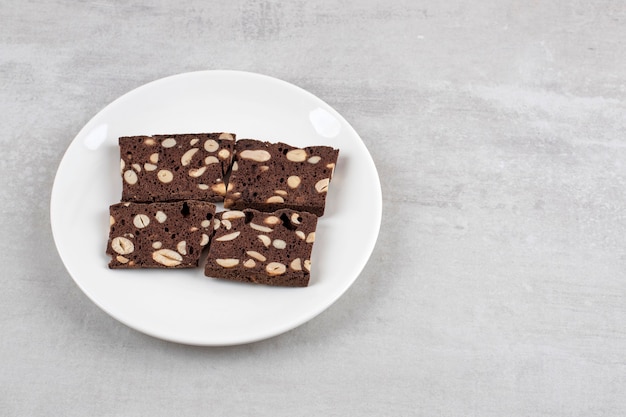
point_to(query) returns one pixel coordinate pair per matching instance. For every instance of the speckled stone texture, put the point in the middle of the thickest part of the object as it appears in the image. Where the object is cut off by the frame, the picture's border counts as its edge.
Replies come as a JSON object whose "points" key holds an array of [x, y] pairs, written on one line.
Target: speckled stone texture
{"points": [[498, 284]]}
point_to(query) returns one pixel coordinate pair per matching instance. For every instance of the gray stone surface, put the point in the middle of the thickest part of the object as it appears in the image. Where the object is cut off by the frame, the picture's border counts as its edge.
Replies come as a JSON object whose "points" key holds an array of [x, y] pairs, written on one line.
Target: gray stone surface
{"points": [[498, 285]]}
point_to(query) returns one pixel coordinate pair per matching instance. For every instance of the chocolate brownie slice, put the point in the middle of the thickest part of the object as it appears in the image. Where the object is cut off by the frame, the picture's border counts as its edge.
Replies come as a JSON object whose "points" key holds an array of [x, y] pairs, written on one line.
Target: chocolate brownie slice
{"points": [[270, 176], [159, 235], [263, 248], [175, 167]]}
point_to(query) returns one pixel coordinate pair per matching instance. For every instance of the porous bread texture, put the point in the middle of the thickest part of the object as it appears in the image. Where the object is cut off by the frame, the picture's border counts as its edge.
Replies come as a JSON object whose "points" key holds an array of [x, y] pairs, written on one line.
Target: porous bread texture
{"points": [[175, 167], [263, 248], [159, 235], [269, 176]]}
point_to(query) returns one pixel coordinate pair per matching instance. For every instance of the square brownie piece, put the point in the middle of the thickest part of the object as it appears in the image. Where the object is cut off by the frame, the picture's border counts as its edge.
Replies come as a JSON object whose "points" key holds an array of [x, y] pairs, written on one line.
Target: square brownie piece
{"points": [[269, 176], [175, 167], [263, 248], [159, 235]]}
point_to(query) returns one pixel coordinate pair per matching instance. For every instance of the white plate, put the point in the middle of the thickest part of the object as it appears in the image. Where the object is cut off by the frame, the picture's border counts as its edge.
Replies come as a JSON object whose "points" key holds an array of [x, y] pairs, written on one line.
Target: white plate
{"points": [[183, 305]]}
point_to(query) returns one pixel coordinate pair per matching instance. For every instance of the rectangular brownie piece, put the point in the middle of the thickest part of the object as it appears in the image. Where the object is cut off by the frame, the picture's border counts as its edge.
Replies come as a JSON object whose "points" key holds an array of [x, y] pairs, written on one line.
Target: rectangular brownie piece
{"points": [[263, 248], [175, 167], [269, 176], [159, 235]]}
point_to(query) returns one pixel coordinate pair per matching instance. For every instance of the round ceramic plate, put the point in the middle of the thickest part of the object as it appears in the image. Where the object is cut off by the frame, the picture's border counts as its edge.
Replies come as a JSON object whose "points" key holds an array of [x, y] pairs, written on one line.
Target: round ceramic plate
{"points": [[183, 305]]}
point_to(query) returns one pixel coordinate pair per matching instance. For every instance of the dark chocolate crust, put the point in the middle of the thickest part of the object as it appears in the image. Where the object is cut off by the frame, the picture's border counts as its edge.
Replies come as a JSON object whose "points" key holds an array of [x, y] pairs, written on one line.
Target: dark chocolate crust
{"points": [[175, 167], [159, 235], [262, 248], [270, 176]]}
